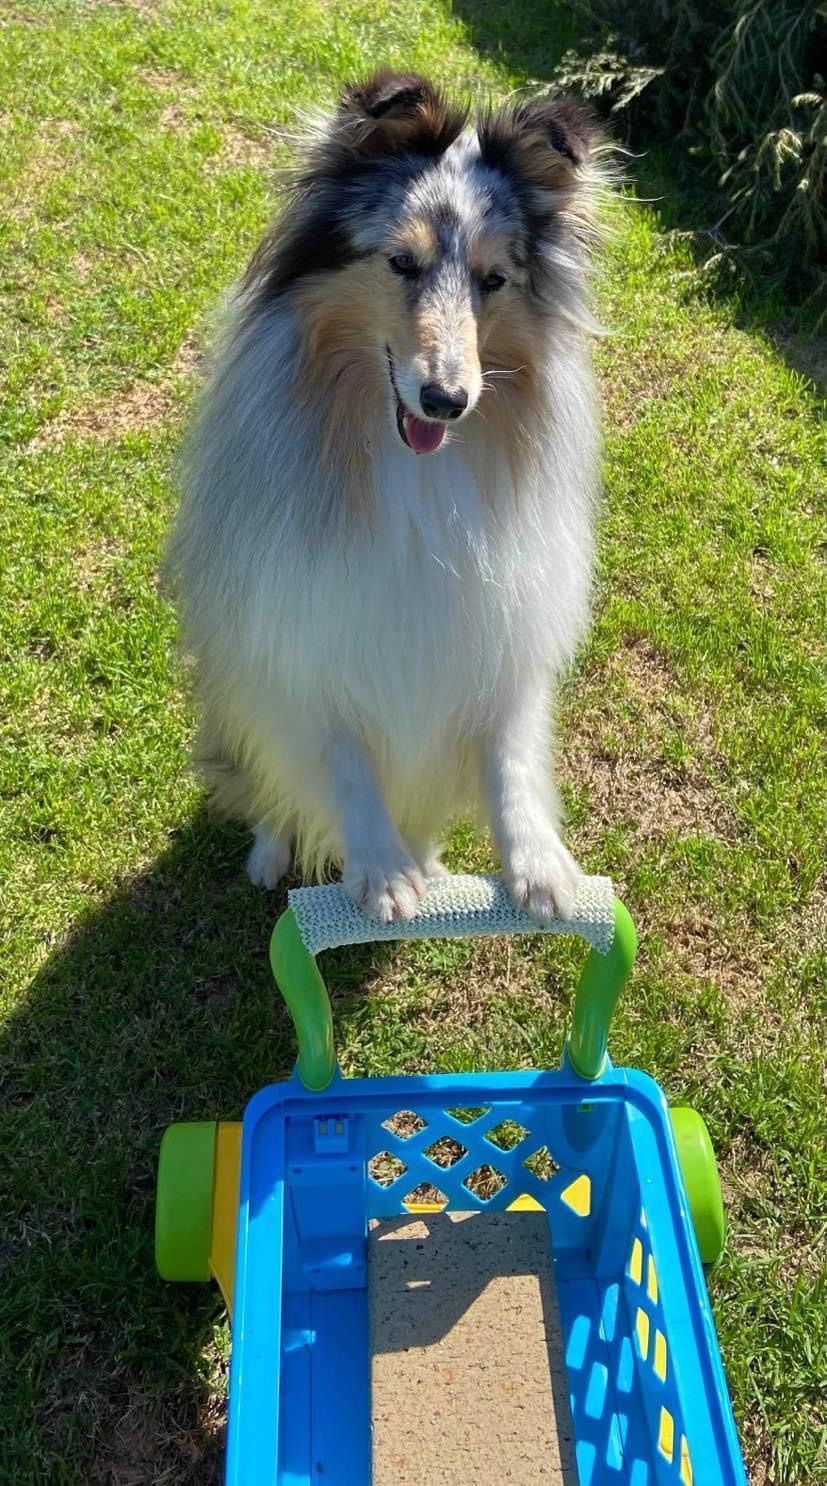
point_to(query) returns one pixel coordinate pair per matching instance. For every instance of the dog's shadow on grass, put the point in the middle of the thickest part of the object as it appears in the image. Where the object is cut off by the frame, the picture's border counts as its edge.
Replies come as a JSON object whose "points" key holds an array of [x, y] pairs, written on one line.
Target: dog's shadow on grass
{"points": [[159, 1006]]}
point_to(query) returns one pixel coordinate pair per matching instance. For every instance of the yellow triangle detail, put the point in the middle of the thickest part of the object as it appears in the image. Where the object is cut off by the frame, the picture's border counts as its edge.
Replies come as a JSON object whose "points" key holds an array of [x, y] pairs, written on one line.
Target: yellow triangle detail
{"points": [[642, 1328], [659, 1360], [652, 1281], [225, 1206], [686, 1463], [525, 1204], [666, 1434], [636, 1262], [579, 1196]]}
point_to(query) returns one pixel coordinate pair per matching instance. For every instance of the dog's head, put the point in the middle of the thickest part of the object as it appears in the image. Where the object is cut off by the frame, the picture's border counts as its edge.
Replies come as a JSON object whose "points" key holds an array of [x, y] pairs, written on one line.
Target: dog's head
{"points": [[439, 250]]}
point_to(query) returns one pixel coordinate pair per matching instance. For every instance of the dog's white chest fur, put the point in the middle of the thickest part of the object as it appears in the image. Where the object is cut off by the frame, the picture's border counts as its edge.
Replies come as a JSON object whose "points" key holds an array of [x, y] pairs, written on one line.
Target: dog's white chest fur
{"points": [[410, 620], [421, 625], [417, 626]]}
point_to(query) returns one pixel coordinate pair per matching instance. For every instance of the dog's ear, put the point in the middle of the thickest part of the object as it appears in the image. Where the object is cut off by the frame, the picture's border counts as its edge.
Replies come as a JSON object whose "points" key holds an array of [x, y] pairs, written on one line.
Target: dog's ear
{"points": [[389, 95], [396, 113], [543, 143]]}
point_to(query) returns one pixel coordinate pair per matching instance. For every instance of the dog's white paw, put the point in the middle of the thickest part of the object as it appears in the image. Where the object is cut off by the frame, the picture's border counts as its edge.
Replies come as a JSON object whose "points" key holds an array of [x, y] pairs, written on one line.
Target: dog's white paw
{"points": [[268, 860], [386, 890], [543, 881]]}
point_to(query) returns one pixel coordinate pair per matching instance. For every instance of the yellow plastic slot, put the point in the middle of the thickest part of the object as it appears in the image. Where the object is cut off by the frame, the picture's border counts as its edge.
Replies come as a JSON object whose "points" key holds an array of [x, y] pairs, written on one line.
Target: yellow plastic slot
{"points": [[225, 1208]]}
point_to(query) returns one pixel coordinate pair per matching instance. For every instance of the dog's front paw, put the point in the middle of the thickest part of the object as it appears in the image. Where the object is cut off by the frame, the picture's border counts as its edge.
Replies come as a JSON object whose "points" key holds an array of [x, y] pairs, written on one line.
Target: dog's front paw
{"points": [[543, 881], [386, 890]]}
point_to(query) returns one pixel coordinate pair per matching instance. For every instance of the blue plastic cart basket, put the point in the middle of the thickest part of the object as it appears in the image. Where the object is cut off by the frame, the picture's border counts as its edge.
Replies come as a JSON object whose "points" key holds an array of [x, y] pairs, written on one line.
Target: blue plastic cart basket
{"points": [[632, 1201]]}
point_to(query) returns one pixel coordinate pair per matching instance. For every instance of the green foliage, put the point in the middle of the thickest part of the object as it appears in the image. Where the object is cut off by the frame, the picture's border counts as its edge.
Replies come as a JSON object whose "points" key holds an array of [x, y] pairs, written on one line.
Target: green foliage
{"points": [[740, 86]]}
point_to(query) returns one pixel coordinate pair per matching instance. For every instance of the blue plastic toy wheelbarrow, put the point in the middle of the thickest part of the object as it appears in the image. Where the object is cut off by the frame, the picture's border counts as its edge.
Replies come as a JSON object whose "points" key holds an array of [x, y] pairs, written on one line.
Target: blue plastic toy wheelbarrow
{"points": [[279, 1211]]}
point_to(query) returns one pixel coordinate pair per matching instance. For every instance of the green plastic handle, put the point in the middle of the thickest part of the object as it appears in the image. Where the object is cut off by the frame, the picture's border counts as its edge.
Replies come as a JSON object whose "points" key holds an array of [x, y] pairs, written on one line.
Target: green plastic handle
{"points": [[601, 981], [297, 976], [298, 979]]}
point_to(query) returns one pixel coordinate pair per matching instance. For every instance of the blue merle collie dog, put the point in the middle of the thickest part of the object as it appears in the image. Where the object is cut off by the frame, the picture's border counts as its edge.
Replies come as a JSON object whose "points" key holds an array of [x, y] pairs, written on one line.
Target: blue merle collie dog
{"points": [[383, 555]]}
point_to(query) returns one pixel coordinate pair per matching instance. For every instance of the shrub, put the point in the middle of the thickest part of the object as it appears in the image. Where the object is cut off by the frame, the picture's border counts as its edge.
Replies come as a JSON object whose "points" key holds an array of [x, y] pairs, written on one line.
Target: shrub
{"points": [[741, 84]]}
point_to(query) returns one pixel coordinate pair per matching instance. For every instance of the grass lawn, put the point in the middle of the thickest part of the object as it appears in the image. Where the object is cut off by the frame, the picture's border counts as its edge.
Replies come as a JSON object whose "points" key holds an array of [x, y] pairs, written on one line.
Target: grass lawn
{"points": [[135, 988]]}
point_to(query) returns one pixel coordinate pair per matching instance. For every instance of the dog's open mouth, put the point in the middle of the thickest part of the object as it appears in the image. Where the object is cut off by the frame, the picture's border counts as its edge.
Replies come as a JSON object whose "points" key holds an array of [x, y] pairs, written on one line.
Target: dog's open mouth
{"points": [[421, 436]]}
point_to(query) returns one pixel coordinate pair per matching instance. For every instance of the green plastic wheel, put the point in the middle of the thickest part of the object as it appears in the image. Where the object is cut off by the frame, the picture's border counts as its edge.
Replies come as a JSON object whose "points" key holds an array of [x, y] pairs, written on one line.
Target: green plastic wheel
{"points": [[183, 1201], [703, 1185]]}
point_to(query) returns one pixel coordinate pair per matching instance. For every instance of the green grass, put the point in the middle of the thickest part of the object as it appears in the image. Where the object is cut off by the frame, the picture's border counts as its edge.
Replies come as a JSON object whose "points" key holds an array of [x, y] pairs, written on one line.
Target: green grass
{"points": [[135, 987]]}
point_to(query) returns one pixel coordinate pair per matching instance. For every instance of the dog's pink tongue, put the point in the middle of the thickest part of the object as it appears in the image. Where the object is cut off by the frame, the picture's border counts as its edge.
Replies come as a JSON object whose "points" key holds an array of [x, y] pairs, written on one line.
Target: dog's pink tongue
{"points": [[424, 438]]}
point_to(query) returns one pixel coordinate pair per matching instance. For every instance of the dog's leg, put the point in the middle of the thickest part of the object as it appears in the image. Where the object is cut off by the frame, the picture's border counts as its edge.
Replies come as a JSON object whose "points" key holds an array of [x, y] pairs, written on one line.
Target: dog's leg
{"points": [[269, 857], [541, 874], [379, 874], [426, 854]]}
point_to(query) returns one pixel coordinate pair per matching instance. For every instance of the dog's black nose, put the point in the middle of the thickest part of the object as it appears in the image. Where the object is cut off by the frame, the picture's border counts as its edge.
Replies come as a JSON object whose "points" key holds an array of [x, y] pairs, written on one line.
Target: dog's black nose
{"points": [[438, 403]]}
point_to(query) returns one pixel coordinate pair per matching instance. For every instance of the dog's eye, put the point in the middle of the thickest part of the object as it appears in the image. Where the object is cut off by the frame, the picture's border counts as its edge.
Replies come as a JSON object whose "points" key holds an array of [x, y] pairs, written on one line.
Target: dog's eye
{"points": [[405, 264], [493, 281]]}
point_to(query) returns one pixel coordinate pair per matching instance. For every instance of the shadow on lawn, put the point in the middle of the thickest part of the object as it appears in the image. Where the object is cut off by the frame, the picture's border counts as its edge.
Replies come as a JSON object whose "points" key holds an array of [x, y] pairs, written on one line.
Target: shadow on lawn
{"points": [[531, 37], [159, 1006]]}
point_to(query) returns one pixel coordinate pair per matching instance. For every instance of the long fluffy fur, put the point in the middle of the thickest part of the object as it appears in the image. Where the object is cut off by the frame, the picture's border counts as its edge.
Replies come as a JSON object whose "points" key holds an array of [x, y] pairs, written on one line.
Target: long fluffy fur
{"points": [[331, 582]]}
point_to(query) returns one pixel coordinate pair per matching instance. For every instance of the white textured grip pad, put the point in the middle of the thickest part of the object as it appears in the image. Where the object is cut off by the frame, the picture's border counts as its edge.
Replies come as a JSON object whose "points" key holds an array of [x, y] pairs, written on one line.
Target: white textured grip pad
{"points": [[452, 908]]}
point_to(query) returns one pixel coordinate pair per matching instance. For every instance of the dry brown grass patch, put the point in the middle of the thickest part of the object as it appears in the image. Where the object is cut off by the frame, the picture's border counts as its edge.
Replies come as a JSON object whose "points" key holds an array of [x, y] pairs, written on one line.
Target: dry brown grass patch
{"points": [[144, 1445], [653, 371], [137, 409], [23, 18], [641, 793], [93, 565], [740, 963], [809, 928], [173, 118], [56, 310], [615, 752], [240, 150], [44, 163], [139, 7], [162, 80], [707, 954]]}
